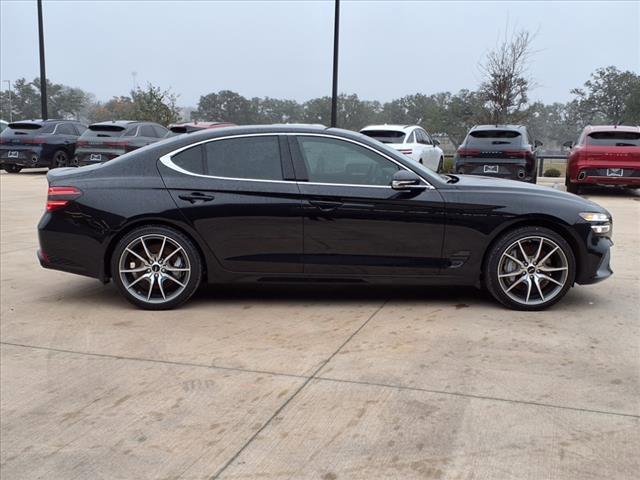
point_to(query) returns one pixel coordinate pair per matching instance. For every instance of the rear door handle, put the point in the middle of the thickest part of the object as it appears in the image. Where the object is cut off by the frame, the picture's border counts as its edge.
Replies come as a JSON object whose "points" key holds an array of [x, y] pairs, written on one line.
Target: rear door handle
{"points": [[194, 197], [325, 206]]}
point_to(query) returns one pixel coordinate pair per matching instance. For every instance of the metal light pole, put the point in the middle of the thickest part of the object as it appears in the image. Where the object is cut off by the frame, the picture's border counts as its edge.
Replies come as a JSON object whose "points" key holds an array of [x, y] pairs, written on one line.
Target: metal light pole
{"points": [[10, 104], [334, 94], [43, 73]]}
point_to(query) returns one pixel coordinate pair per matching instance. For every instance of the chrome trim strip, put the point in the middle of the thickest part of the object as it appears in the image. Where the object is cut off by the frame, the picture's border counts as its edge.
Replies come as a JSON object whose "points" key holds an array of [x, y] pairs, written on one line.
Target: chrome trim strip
{"points": [[166, 160]]}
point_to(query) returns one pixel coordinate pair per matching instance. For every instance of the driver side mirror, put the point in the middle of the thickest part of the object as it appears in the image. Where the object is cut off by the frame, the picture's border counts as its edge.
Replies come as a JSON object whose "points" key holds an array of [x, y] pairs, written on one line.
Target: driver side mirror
{"points": [[404, 180], [436, 142], [568, 144], [538, 143]]}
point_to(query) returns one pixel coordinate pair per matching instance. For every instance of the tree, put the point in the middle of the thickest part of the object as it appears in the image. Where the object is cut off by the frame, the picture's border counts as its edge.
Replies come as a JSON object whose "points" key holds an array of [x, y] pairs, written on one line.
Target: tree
{"points": [[609, 96], [155, 105], [62, 101], [505, 82], [118, 108], [224, 106]]}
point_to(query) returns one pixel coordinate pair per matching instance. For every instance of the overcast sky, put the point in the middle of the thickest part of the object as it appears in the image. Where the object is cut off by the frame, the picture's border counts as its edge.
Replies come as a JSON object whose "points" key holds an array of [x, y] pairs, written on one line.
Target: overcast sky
{"points": [[284, 49]]}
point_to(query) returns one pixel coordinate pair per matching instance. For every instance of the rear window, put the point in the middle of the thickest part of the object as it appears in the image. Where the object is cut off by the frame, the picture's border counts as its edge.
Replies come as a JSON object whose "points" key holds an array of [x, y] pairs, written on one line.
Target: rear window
{"points": [[385, 136], [250, 158], [103, 131], [28, 128], [494, 137], [185, 129], [614, 139]]}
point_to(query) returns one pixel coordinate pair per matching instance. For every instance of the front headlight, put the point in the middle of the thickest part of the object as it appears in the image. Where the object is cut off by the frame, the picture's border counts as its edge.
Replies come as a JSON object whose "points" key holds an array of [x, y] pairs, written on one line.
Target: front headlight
{"points": [[601, 222]]}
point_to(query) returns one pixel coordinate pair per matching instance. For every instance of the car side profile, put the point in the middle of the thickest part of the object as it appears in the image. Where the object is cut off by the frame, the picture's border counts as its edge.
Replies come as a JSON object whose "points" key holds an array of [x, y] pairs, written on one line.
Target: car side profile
{"points": [[604, 155], [411, 140], [290, 203], [105, 141], [502, 151], [38, 143]]}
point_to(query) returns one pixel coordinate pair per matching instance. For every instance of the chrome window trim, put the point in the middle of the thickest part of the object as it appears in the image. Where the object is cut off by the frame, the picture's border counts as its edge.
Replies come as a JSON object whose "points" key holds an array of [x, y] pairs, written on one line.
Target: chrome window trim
{"points": [[167, 162]]}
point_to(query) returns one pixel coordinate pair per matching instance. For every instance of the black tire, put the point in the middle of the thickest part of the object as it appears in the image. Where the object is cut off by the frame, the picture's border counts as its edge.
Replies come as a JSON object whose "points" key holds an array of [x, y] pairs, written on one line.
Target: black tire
{"points": [[572, 187], [440, 165], [59, 159], [12, 168], [502, 246], [192, 261], [420, 161]]}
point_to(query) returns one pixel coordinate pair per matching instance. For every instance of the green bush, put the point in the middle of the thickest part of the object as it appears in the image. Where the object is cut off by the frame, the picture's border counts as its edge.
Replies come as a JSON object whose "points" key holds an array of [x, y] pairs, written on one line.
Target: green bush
{"points": [[552, 172]]}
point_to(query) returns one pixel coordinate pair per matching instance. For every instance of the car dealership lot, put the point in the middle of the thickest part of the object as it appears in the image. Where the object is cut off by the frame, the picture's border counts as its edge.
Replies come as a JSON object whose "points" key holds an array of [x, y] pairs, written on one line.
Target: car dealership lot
{"points": [[314, 381]]}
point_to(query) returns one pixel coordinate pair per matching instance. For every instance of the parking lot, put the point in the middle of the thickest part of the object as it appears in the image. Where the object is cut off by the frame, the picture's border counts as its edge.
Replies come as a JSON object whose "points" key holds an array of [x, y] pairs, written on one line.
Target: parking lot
{"points": [[327, 382]]}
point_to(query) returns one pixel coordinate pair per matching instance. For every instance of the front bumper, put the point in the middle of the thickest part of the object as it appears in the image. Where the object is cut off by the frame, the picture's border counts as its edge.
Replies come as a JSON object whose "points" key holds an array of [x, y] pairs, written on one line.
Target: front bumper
{"points": [[597, 265]]}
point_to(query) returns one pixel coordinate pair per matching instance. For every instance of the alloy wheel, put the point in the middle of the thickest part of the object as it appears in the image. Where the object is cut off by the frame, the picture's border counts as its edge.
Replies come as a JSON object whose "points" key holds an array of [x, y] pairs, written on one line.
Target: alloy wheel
{"points": [[154, 268], [533, 270]]}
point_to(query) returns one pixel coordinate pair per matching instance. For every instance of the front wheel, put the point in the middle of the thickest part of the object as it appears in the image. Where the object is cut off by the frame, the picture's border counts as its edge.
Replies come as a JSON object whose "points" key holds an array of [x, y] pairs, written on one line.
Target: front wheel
{"points": [[440, 165], [156, 267], [530, 268]]}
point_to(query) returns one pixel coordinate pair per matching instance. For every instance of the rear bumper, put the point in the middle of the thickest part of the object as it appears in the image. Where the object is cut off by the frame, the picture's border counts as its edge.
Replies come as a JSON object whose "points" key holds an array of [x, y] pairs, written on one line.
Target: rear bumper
{"points": [[498, 168], [609, 173], [27, 157]]}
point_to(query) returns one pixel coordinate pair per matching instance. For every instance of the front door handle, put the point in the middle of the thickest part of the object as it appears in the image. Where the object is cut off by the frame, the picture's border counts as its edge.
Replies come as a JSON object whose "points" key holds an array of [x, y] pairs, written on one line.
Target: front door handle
{"points": [[325, 206], [194, 197]]}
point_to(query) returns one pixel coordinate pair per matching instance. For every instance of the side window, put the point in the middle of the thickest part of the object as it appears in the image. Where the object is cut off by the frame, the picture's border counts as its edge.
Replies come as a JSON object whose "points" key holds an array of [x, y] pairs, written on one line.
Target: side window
{"points": [[340, 162], [161, 132], [131, 132], [80, 128], [65, 129], [147, 131], [191, 159], [412, 138], [247, 157]]}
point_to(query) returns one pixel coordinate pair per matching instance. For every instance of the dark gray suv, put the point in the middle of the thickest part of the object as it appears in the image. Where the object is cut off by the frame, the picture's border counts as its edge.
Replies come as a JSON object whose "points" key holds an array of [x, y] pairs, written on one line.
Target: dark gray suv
{"points": [[504, 151]]}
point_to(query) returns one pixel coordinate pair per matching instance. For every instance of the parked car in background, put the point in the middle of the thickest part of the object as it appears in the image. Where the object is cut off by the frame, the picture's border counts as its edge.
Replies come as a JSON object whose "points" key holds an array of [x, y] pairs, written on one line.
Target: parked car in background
{"points": [[412, 140], [504, 151], [39, 143], [290, 203], [105, 141], [188, 127], [604, 155]]}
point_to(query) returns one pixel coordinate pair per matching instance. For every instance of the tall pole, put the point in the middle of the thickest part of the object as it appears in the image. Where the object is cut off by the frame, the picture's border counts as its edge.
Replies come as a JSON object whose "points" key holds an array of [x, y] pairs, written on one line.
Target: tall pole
{"points": [[334, 94], [43, 73], [10, 103]]}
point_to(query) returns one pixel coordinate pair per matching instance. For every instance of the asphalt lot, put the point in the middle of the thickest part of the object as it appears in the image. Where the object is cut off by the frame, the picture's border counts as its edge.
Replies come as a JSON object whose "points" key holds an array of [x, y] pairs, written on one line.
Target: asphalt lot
{"points": [[276, 382]]}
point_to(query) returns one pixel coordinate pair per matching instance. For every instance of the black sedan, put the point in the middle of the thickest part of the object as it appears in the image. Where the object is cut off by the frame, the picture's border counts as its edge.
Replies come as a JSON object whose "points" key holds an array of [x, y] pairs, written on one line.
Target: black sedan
{"points": [[38, 143], [288, 203]]}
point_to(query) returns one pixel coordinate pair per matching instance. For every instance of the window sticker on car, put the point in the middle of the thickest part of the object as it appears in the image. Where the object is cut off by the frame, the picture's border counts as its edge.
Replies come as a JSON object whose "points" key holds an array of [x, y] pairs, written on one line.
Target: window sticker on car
{"points": [[14, 154], [614, 172], [491, 169], [95, 157]]}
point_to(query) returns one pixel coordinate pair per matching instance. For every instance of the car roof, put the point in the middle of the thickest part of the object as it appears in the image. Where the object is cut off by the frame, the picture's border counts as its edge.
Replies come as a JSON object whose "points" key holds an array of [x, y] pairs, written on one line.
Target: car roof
{"points": [[392, 128], [39, 121], [123, 123], [607, 128]]}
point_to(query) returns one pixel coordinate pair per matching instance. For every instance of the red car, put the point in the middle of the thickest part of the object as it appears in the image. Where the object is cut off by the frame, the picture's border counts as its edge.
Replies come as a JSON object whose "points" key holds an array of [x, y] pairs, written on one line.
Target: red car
{"points": [[604, 155]]}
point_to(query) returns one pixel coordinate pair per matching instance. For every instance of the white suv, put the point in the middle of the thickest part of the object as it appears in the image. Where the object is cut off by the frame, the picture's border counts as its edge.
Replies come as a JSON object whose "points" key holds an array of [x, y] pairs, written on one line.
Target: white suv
{"points": [[411, 140]]}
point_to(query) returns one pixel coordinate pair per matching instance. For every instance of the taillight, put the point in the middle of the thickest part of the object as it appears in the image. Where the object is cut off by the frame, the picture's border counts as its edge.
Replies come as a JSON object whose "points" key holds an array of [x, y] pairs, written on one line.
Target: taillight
{"points": [[81, 143], [406, 151], [33, 141], [466, 152], [59, 197]]}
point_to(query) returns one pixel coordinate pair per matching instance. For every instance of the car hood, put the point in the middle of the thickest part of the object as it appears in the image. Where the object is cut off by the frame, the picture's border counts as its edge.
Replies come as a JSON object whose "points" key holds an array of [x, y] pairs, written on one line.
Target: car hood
{"points": [[514, 187]]}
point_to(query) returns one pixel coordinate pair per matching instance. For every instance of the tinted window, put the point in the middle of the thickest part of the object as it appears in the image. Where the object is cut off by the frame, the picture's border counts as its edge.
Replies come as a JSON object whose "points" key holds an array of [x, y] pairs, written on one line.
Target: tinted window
{"points": [[614, 139], [424, 137], [412, 137], [103, 131], [247, 157], [160, 131], [494, 137], [385, 136], [65, 129], [190, 159], [28, 128], [80, 128], [146, 131], [340, 162]]}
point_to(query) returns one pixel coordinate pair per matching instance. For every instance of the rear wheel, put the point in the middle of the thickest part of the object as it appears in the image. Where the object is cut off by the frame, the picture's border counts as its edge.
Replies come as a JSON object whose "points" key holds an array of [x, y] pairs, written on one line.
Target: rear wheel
{"points": [[156, 267], [12, 168], [572, 187], [530, 268], [60, 159]]}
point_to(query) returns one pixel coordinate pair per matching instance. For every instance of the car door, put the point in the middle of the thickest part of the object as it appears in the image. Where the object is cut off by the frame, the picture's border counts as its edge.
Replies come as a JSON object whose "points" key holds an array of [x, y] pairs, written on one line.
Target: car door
{"points": [[415, 147], [430, 152], [354, 222], [240, 195]]}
